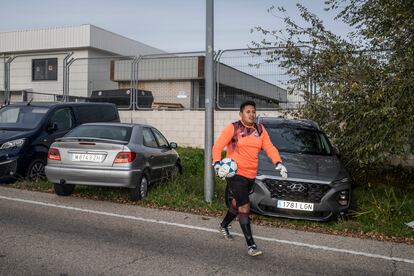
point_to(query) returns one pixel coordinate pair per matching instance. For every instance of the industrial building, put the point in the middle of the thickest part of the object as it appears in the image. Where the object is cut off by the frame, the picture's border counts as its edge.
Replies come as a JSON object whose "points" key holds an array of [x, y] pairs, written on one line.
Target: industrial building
{"points": [[88, 58]]}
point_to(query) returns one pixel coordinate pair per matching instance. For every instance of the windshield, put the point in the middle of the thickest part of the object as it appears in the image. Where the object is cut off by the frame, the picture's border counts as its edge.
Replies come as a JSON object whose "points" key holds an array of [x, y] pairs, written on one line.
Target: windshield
{"points": [[303, 141], [119, 133], [21, 117]]}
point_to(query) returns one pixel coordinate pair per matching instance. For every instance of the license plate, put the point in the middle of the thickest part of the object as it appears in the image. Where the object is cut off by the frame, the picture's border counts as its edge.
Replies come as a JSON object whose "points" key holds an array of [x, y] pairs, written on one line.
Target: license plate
{"points": [[293, 205], [87, 157]]}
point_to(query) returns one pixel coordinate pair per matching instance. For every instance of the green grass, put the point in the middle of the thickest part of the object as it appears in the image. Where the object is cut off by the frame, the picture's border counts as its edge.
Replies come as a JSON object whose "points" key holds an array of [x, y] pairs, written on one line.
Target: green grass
{"points": [[382, 211]]}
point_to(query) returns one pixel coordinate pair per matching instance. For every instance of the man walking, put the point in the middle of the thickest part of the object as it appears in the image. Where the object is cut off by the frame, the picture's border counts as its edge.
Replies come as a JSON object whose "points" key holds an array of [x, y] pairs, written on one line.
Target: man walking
{"points": [[244, 139]]}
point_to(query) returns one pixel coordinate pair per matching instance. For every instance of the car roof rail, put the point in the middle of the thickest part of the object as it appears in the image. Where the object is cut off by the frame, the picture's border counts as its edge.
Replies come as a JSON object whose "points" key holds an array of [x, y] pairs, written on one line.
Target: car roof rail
{"points": [[262, 118], [308, 122], [313, 123]]}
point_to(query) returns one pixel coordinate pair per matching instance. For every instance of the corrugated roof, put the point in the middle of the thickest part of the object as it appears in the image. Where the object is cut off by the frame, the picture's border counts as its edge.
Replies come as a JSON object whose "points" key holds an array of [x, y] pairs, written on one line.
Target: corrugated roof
{"points": [[72, 37]]}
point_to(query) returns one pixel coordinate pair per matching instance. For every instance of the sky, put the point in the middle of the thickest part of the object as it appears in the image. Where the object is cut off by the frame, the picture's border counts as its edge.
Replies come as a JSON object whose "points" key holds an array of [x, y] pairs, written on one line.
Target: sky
{"points": [[170, 25]]}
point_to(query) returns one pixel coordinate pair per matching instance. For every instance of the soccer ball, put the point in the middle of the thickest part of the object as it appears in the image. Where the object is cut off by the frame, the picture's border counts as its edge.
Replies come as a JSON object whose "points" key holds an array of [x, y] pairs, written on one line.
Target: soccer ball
{"points": [[228, 168]]}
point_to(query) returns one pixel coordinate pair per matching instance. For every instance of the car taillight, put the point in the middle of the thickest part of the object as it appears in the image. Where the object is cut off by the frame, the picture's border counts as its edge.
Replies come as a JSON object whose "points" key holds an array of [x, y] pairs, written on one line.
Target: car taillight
{"points": [[53, 154], [125, 157]]}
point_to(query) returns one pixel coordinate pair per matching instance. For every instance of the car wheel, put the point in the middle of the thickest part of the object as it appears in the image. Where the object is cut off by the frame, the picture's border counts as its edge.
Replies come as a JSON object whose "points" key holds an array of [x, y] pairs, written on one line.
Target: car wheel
{"points": [[353, 208], [36, 170], [175, 171], [63, 189], [141, 190]]}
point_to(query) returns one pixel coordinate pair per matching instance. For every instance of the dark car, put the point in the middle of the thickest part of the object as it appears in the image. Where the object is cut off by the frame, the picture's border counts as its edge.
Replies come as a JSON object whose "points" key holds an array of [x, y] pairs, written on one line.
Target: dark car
{"points": [[114, 155], [318, 186], [28, 129]]}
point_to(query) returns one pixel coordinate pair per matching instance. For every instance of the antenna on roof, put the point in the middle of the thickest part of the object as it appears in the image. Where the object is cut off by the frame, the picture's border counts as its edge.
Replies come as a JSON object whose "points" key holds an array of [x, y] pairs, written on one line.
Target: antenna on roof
{"points": [[30, 102]]}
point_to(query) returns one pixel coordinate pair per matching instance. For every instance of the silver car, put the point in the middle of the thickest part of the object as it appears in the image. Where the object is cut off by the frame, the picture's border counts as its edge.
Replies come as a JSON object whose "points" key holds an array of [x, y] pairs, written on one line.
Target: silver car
{"points": [[111, 154]]}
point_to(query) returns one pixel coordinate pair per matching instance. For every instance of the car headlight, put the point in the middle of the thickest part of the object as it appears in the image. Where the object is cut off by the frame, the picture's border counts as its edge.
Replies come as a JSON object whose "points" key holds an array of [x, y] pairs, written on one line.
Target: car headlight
{"points": [[13, 144]]}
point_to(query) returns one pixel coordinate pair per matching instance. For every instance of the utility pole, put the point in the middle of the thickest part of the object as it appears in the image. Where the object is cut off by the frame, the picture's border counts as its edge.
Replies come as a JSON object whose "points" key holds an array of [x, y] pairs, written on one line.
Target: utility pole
{"points": [[209, 103]]}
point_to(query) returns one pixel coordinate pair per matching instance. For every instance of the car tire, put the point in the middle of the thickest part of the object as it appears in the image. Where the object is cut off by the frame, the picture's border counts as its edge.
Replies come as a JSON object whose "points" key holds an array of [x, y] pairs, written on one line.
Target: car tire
{"points": [[175, 172], [36, 170], [63, 189], [353, 208], [141, 190]]}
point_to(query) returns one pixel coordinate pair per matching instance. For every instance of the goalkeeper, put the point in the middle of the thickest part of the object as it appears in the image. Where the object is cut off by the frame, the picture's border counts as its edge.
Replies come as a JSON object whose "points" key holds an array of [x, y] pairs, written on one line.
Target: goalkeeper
{"points": [[244, 139]]}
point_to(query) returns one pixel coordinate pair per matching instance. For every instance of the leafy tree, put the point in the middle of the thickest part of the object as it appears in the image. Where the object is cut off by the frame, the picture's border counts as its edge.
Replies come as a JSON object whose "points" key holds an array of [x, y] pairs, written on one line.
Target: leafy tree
{"points": [[364, 96]]}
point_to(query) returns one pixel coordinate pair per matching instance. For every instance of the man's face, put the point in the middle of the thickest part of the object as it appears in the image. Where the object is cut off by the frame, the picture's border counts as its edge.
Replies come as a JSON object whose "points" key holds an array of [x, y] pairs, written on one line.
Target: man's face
{"points": [[248, 116]]}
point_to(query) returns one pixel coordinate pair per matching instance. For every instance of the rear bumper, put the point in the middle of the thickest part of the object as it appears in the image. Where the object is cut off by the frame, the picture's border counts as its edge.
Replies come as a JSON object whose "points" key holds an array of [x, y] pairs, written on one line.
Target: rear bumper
{"points": [[327, 209], [110, 177]]}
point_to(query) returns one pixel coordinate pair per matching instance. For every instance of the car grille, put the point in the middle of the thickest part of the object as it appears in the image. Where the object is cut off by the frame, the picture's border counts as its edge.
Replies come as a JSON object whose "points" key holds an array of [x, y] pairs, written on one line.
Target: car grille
{"points": [[296, 191], [6, 168]]}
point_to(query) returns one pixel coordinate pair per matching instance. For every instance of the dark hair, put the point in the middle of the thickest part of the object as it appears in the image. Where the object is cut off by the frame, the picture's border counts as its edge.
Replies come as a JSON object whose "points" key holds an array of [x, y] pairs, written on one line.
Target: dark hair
{"points": [[246, 103]]}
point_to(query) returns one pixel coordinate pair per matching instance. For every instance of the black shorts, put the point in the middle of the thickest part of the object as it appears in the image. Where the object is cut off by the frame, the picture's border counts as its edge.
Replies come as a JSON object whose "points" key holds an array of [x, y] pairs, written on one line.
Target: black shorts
{"points": [[240, 188]]}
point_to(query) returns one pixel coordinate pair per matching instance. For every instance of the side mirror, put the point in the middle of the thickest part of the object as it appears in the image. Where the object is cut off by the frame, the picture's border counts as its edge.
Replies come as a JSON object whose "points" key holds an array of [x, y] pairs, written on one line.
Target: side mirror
{"points": [[52, 127], [173, 145]]}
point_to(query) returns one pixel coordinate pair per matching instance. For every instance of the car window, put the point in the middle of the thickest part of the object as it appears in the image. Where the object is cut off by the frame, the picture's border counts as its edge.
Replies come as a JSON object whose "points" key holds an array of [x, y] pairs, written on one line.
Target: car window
{"points": [[299, 140], [120, 133], [149, 139], [21, 117], [63, 118], [160, 138]]}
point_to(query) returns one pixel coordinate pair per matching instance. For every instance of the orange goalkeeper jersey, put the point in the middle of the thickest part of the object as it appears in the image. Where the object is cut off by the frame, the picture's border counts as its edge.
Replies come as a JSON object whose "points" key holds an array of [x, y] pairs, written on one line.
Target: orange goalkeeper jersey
{"points": [[243, 146]]}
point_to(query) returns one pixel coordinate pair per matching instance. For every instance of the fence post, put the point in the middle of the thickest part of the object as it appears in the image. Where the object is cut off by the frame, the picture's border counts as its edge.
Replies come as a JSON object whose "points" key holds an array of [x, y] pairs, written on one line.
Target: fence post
{"points": [[7, 80], [65, 75]]}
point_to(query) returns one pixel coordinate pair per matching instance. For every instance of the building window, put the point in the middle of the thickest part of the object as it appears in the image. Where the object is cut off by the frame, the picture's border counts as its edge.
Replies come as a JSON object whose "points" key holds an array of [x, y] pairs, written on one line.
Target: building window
{"points": [[44, 69]]}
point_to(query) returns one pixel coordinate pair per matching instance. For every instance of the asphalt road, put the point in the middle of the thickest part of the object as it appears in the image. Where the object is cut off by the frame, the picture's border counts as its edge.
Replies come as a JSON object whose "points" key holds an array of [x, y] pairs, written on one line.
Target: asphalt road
{"points": [[43, 234]]}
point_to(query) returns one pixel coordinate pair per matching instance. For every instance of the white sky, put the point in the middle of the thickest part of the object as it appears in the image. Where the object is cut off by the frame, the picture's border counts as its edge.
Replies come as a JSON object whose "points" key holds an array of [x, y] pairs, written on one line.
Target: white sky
{"points": [[170, 25]]}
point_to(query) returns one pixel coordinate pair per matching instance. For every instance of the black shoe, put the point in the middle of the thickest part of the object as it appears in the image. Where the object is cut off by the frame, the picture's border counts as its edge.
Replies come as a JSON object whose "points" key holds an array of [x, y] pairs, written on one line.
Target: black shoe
{"points": [[226, 233]]}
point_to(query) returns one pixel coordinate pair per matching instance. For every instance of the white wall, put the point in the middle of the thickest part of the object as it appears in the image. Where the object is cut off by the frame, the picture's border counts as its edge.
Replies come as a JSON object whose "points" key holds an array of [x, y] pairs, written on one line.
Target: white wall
{"points": [[84, 75], [78, 74], [21, 75], [99, 71], [185, 127]]}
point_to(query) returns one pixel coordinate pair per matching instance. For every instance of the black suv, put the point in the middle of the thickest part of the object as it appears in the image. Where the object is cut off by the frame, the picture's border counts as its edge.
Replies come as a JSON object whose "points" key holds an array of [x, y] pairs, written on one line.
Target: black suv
{"points": [[318, 186], [28, 129]]}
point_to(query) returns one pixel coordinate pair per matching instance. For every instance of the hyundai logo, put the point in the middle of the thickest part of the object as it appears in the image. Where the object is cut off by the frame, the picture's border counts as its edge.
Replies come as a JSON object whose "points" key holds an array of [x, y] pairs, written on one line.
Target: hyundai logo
{"points": [[296, 187]]}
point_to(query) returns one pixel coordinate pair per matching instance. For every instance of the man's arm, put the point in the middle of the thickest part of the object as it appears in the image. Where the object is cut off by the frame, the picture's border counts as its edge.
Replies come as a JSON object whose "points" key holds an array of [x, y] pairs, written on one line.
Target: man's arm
{"points": [[222, 141]]}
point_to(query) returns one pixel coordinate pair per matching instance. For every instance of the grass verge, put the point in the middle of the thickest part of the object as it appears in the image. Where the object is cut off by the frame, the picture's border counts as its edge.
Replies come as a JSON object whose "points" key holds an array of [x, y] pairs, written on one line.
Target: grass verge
{"points": [[381, 215]]}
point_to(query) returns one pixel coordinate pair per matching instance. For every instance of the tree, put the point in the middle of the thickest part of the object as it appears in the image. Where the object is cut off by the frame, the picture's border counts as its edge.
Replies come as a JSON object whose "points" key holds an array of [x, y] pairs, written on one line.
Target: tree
{"points": [[365, 84]]}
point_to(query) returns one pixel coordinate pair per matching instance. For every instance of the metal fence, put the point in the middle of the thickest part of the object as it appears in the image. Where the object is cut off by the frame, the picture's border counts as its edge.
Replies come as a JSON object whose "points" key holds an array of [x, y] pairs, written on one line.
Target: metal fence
{"points": [[159, 81], [34, 73], [251, 74]]}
